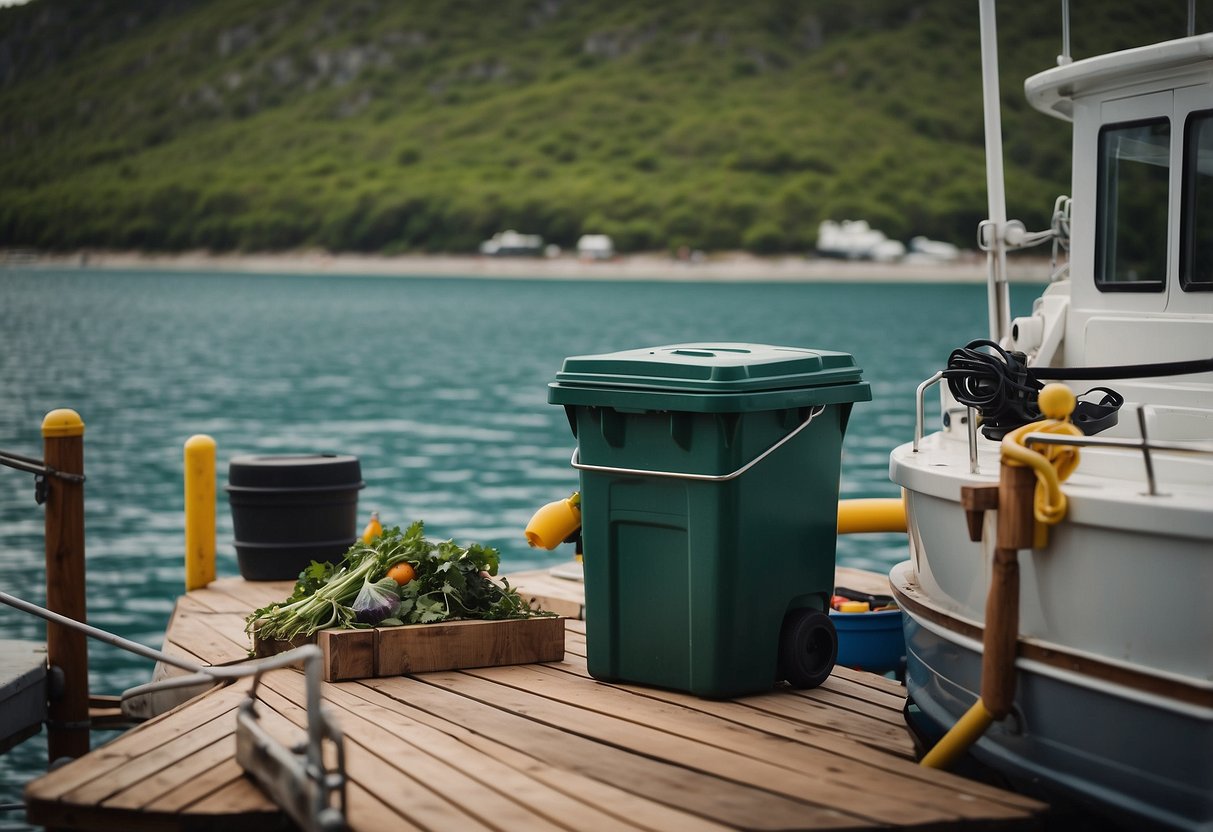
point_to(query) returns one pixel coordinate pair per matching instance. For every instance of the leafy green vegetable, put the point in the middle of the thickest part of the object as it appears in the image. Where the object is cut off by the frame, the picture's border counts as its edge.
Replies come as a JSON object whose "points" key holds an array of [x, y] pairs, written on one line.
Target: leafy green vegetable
{"points": [[451, 582]]}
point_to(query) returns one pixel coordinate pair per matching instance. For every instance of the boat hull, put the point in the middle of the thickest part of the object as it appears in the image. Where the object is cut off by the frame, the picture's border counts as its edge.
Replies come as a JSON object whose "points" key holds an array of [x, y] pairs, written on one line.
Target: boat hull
{"points": [[1125, 577], [1137, 756]]}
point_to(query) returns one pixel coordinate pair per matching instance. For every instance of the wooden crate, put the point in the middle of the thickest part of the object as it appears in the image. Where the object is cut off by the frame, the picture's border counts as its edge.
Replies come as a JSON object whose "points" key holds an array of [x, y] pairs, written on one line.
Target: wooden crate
{"points": [[421, 648]]}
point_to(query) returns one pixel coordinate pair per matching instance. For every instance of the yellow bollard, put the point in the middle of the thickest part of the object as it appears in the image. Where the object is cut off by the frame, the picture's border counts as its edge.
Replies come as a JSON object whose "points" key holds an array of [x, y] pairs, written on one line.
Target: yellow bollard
{"points": [[199, 511]]}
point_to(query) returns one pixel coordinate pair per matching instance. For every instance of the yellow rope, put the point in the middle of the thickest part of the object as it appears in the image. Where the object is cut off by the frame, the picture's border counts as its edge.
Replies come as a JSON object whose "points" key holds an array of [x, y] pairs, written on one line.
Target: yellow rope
{"points": [[1055, 463]]}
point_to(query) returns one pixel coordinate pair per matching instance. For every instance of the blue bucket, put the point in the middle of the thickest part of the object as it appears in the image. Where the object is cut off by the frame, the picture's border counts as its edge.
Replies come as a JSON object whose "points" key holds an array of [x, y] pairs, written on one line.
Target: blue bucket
{"points": [[871, 641]]}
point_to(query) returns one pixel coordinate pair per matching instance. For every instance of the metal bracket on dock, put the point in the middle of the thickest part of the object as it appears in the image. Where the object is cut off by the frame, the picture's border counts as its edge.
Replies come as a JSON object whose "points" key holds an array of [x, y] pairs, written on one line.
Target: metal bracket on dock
{"points": [[296, 778]]}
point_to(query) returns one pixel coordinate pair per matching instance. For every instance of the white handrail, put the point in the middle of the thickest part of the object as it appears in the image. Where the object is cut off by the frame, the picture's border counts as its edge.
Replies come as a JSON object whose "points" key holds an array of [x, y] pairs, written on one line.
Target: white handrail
{"points": [[920, 409]]}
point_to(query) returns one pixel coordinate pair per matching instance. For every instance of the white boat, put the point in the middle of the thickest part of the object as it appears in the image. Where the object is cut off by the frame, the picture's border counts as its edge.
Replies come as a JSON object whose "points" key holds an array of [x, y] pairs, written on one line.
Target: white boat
{"points": [[1111, 665], [926, 250], [857, 240]]}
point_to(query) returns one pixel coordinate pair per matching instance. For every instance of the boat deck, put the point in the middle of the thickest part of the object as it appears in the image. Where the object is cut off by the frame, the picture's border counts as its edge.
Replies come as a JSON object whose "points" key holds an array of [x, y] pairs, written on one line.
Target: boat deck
{"points": [[539, 746]]}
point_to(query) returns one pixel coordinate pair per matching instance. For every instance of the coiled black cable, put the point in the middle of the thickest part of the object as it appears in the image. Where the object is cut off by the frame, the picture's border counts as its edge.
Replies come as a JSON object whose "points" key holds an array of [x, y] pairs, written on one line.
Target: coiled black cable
{"points": [[996, 384], [1001, 386]]}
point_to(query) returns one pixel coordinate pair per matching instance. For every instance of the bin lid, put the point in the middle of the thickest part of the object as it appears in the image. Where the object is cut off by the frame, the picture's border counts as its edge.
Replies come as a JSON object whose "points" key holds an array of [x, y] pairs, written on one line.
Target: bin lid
{"points": [[703, 376], [278, 472]]}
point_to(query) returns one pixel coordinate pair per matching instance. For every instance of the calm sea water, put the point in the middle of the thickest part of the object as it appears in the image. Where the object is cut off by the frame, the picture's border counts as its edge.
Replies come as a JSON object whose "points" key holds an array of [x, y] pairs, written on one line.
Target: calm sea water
{"points": [[437, 385]]}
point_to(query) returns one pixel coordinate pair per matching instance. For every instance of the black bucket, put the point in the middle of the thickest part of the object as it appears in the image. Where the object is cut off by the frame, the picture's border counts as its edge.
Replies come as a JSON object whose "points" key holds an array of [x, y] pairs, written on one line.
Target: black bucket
{"points": [[292, 509]]}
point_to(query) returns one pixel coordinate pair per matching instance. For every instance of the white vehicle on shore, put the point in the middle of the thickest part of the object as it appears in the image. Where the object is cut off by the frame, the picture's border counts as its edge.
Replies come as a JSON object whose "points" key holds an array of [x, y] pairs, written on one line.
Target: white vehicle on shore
{"points": [[857, 240]]}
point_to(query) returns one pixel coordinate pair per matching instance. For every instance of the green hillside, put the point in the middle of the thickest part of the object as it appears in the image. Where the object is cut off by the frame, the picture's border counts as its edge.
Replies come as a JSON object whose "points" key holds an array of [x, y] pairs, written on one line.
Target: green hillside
{"points": [[368, 125]]}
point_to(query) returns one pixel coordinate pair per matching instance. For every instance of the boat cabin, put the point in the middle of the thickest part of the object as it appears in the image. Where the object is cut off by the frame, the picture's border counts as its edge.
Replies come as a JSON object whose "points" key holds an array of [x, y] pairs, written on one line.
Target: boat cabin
{"points": [[1141, 259]]}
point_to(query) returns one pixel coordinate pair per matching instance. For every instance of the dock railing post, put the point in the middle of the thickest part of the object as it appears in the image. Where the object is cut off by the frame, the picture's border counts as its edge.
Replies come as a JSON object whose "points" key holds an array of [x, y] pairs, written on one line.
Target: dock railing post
{"points": [[66, 649]]}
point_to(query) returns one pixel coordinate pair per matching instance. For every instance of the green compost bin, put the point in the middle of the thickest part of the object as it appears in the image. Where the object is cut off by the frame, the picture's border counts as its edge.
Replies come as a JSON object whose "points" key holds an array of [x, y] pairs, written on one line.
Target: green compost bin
{"points": [[709, 496]]}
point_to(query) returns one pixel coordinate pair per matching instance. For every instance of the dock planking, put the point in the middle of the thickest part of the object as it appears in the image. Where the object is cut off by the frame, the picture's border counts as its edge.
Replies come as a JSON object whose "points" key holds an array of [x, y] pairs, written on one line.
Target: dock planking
{"points": [[540, 746], [22, 690]]}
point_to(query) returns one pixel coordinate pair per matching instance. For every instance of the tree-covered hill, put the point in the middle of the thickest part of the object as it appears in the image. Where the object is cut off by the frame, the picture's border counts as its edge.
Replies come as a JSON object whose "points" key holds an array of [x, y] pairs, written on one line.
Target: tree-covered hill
{"points": [[394, 125]]}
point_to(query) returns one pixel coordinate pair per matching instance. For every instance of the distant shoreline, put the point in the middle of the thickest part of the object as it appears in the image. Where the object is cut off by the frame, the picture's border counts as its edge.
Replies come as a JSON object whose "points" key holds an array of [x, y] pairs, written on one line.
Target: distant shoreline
{"points": [[725, 267]]}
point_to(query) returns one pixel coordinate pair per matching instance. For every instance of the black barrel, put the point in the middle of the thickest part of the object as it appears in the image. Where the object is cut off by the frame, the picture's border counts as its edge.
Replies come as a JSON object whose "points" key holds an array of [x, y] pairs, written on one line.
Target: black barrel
{"points": [[288, 510]]}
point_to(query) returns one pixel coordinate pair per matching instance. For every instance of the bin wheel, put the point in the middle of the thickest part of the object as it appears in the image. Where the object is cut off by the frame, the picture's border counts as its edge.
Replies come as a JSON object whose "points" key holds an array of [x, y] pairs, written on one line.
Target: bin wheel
{"points": [[808, 647]]}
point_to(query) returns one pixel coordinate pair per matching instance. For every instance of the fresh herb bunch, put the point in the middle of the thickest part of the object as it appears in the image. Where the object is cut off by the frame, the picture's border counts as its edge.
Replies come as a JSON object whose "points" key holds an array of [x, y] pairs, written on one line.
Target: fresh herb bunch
{"points": [[449, 583]]}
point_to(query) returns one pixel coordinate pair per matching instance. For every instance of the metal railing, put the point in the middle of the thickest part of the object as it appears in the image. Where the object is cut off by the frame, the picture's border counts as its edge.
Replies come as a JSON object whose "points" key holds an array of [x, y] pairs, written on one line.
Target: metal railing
{"points": [[296, 778], [1143, 444], [920, 408]]}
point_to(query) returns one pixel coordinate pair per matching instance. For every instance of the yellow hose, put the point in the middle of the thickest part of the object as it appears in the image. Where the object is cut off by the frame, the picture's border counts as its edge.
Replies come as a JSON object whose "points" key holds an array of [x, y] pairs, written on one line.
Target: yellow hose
{"points": [[874, 514], [967, 730]]}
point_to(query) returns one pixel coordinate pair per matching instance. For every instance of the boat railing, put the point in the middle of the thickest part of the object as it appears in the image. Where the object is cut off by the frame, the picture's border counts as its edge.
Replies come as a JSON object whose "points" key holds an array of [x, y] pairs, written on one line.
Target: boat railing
{"points": [[1066, 58], [920, 409], [1143, 444], [920, 420]]}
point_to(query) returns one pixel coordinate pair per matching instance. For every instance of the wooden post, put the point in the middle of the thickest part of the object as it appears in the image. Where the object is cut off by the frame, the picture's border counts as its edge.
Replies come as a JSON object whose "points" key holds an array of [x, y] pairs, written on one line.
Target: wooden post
{"points": [[66, 649], [1016, 529]]}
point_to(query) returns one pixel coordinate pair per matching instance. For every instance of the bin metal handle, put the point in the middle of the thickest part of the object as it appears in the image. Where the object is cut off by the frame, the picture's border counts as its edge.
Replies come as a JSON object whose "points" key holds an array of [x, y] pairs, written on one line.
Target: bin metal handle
{"points": [[679, 475]]}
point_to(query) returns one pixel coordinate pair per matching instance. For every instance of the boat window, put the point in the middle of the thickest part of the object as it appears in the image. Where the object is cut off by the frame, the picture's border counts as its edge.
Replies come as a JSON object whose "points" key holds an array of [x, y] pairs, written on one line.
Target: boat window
{"points": [[1131, 225], [1196, 252]]}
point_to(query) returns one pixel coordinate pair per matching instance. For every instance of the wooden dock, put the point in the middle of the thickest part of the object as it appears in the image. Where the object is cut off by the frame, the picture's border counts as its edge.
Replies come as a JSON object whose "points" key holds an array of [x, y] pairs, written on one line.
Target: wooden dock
{"points": [[22, 691], [539, 746]]}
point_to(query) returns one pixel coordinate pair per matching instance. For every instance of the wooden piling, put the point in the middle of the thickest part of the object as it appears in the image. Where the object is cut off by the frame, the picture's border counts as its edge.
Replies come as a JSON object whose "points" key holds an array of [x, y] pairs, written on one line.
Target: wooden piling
{"points": [[66, 649], [1016, 529]]}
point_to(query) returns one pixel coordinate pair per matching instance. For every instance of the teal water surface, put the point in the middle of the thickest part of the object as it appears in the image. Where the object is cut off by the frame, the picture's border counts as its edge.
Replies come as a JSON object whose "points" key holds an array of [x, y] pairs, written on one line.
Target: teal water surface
{"points": [[438, 386]]}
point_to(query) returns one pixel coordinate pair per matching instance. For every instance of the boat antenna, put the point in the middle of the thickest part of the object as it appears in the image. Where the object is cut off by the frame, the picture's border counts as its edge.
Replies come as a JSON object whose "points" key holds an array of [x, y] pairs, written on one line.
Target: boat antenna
{"points": [[992, 230], [1064, 58]]}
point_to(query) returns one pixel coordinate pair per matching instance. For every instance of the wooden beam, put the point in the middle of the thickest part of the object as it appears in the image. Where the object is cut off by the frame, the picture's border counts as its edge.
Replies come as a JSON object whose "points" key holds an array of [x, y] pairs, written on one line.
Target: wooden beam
{"points": [[976, 500]]}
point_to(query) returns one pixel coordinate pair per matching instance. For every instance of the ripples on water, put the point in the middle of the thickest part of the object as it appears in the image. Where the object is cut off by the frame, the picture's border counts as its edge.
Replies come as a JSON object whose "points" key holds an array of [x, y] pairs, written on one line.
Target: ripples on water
{"points": [[437, 385]]}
